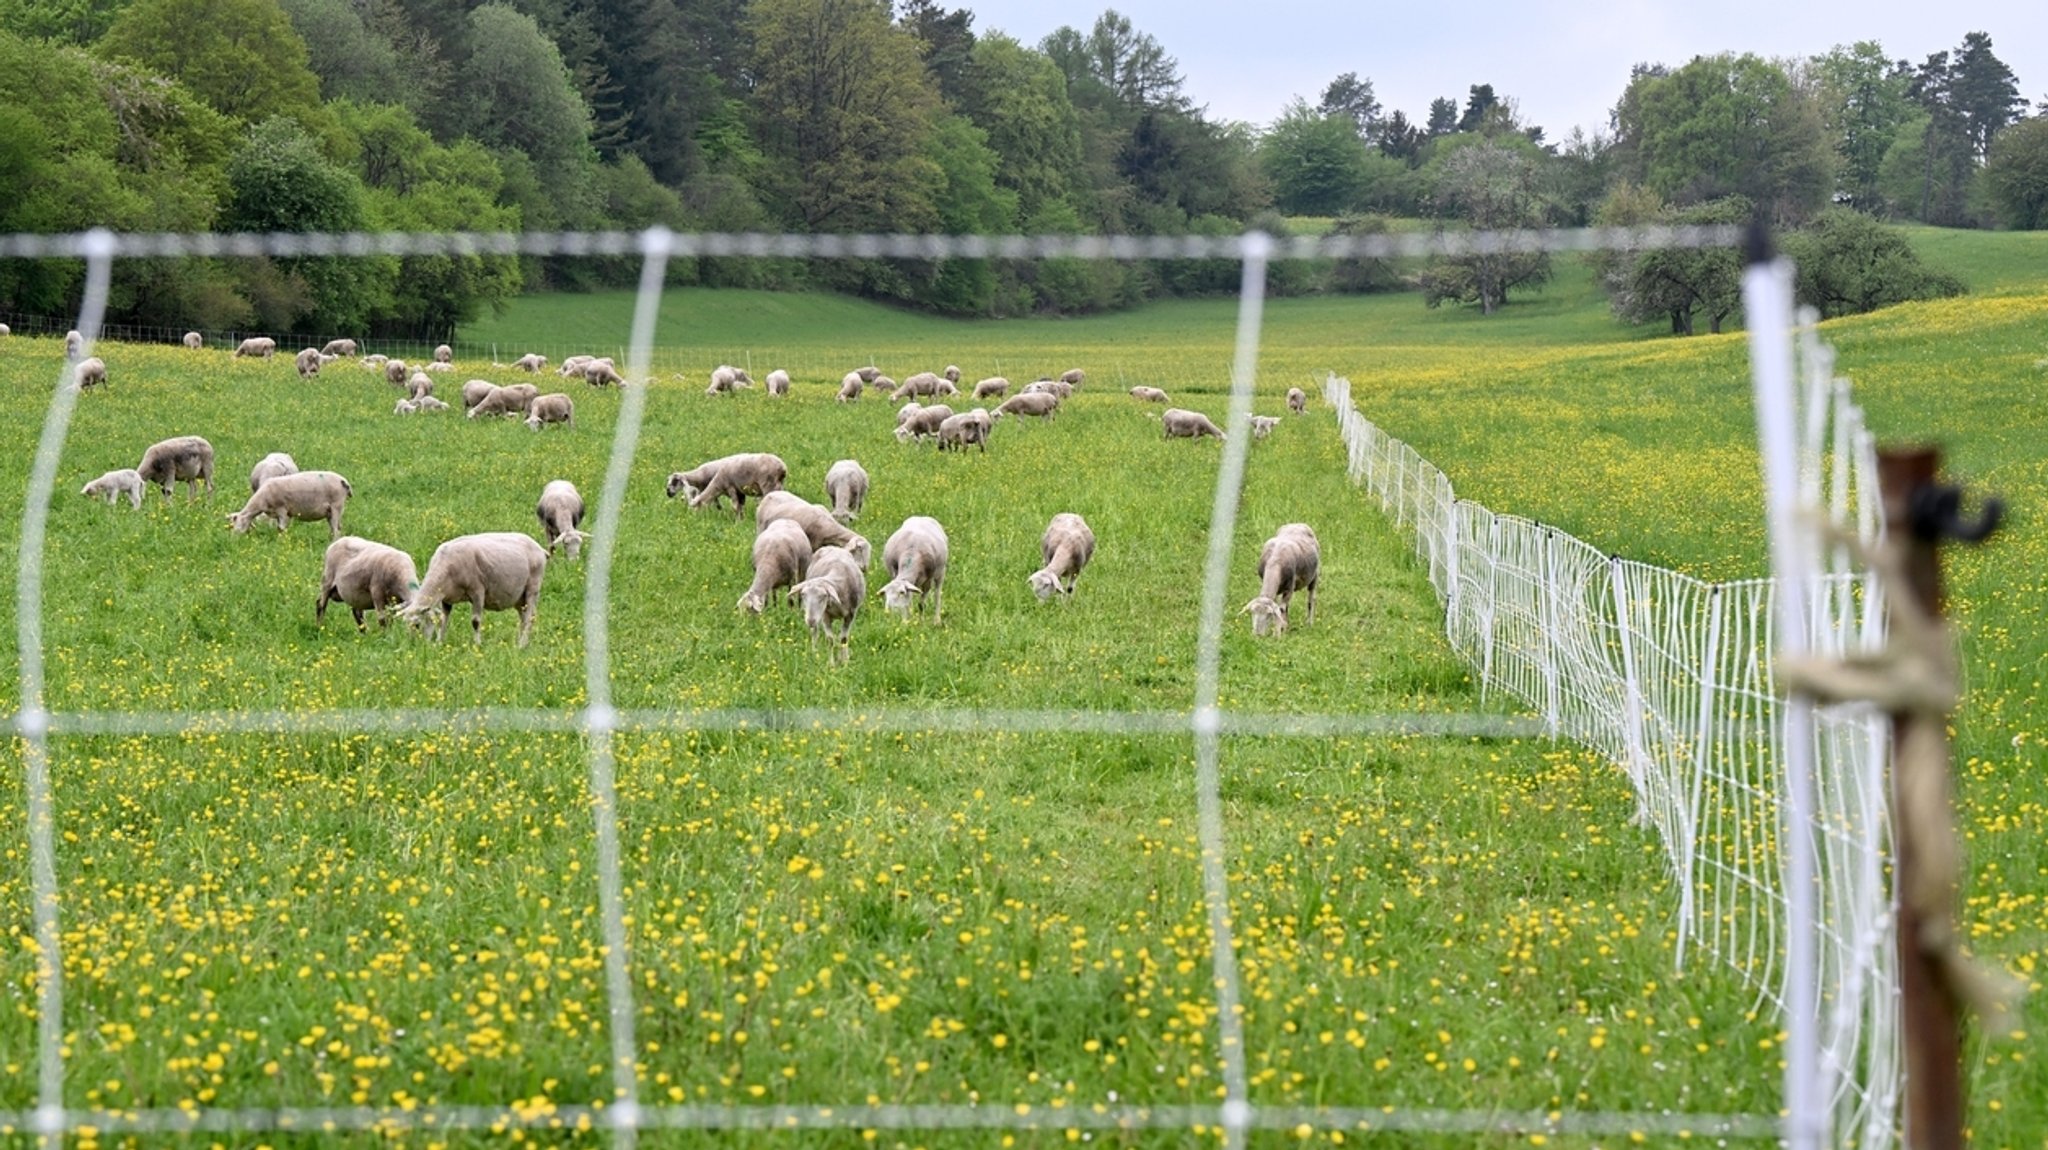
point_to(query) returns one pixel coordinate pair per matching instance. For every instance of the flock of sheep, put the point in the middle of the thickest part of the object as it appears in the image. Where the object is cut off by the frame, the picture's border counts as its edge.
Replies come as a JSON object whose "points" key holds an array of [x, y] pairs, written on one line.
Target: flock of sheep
{"points": [[801, 550]]}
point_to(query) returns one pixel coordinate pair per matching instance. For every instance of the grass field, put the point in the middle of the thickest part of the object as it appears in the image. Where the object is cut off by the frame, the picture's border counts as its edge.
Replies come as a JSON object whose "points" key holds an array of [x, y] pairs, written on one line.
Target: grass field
{"points": [[838, 914]]}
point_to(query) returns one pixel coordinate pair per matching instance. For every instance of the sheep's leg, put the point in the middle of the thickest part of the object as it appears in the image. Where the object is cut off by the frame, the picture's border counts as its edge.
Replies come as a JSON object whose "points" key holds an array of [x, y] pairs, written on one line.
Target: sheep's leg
{"points": [[1311, 602], [476, 621], [526, 610], [327, 596], [358, 613], [334, 524], [938, 603]]}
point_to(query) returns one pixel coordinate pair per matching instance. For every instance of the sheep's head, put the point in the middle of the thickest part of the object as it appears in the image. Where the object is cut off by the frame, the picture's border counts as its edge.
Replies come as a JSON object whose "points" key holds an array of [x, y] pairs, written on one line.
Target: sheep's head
{"points": [[861, 550], [1046, 584], [1268, 617], [239, 521], [571, 542], [677, 485], [422, 614], [533, 420], [897, 595], [752, 603], [903, 435], [820, 599]]}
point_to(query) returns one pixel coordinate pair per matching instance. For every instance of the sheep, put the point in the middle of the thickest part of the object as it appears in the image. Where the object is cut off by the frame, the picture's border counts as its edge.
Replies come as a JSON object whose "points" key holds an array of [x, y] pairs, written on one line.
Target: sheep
{"points": [[1058, 387], [968, 427], [778, 382], [366, 576], [1290, 561], [817, 523], [1297, 400], [572, 365], [560, 511], [530, 363], [756, 473], [426, 403], [882, 383], [186, 457], [1180, 423], [114, 484], [952, 373], [1073, 375], [741, 377], [915, 557], [194, 340], [419, 385], [907, 410], [406, 407], [5, 330], [374, 362], [602, 373], [74, 344], [437, 365], [782, 557], [474, 392], [850, 387], [1263, 425], [1043, 404], [256, 347], [765, 476], [846, 485], [270, 467], [326, 359], [1067, 546], [552, 408], [512, 399], [725, 379], [444, 354], [994, 387], [923, 383], [1145, 394], [921, 423], [396, 373], [300, 495], [869, 374], [89, 372], [494, 571], [307, 362], [832, 593], [339, 347]]}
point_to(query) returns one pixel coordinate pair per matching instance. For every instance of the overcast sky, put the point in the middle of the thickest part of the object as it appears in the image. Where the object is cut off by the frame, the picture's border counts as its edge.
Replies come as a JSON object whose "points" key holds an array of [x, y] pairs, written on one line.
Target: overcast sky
{"points": [[1563, 61]]}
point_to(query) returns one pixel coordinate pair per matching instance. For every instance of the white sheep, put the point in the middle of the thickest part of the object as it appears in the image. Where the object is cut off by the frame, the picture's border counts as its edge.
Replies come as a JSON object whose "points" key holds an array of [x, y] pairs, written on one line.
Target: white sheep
{"points": [[89, 372], [882, 383], [952, 373], [725, 379], [560, 511], [850, 387], [915, 557], [256, 347], [307, 362], [444, 354], [1297, 400], [846, 485], [396, 373], [437, 365], [923, 383], [572, 365], [994, 387], [512, 399], [426, 403], [339, 347], [1058, 387], [366, 576], [1066, 547], [114, 484], [778, 382], [74, 344], [602, 373], [530, 363], [922, 423], [1145, 394], [869, 374], [817, 523], [374, 362], [1043, 404], [474, 392], [270, 467], [749, 473], [832, 594], [494, 571], [1290, 561], [1263, 425], [419, 385], [185, 457], [1179, 423], [5, 331], [782, 557], [194, 340], [1073, 376], [304, 495], [957, 432], [405, 407], [552, 408]]}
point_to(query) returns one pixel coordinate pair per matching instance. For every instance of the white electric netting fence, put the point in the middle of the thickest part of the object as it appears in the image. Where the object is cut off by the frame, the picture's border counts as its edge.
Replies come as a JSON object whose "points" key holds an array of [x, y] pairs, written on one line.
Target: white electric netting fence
{"points": [[1609, 653]]}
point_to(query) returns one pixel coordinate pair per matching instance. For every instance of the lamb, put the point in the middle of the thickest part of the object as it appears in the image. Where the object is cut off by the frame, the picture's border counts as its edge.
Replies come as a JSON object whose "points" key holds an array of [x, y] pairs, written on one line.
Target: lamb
{"points": [[1290, 561], [1043, 404], [923, 422], [552, 408], [602, 373], [869, 374], [1297, 400], [89, 372], [186, 457], [494, 571], [437, 365], [396, 373], [915, 557], [952, 373], [114, 484], [374, 362], [1073, 375], [994, 387], [725, 379], [782, 557], [301, 495], [846, 485], [256, 347], [426, 403], [474, 392], [832, 593], [1067, 546], [573, 365], [1148, 394], [907, 410], [1180, 423], [530, 363], [406, 407], [365, 575], [339, 348], [444, 354], [882, 383], [560, 511], [270, 467], [419, 385], [778, 382], [850, 387], [756, 473], [307, 362], [512, 399], [968, 427], [74, 344], [1263, 425], [1058, 387], [817, 523], [923, 383], [194, 340]]}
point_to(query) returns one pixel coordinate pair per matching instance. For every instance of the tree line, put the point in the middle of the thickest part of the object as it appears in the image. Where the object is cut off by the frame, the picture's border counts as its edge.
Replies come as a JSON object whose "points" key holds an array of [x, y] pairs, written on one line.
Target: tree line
{"points": [[860, 115]]}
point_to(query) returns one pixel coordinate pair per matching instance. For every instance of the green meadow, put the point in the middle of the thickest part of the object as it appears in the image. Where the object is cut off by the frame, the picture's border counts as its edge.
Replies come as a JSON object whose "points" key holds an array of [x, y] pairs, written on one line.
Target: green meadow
{"points": [[838, 913]]}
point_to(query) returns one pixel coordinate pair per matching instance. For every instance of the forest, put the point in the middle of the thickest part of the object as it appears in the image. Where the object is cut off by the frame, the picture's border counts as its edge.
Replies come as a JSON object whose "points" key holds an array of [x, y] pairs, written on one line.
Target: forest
{"points": [[865, 116]]}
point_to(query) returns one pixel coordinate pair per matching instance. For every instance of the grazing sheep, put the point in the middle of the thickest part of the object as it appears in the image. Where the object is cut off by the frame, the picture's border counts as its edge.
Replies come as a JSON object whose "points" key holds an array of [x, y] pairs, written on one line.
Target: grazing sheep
{"points": [[426, 403], [907, 410], [474, 392], [444, 354], [1148, 394], [726, 379], [552, 408], [437, 365], [1058, 387], [782, 557], [1043, 404], [560, 511], [374, 362], [1180, 423], [194, 340], [494, 571], [301, 495], [1290, 561], [817, 523], [339, 347], [869, 374], [832, 593], [923, 383], [573, 365], [1297, 400], [753, 473], [850, 387], [307, 362], [1263, 425], [1067, 547], [406, 407], [994, 387], [1073, 375], [957, 432], [89, 372], [602, 373], [530, 363], [915, 557], [419, 386], [846, 485], [396, 373], [270, 467], [256, 347], [922, 423], [366, 576], [778, 382], [882, 383], [512, 399], [74, 344], [952, 373], [114, 484], [186, 457]]}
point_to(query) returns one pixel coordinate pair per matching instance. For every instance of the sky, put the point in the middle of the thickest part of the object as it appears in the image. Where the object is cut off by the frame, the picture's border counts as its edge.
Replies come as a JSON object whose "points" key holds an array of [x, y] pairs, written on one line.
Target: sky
{"points": [[1564, 62]]}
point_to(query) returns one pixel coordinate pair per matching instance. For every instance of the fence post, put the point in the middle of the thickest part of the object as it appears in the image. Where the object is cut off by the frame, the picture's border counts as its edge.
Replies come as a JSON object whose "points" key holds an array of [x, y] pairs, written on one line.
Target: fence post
{"points": [[1546, 583], [1492, 603], [1702, 758], [1451, 595], [1632, 692]]}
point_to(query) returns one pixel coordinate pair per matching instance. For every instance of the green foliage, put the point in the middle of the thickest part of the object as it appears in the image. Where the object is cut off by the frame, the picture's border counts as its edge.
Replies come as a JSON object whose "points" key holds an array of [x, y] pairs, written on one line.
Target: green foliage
{"points": [[1677, 283], [516, 93], [1728, 125], [1849, 263], [1486, 183], [1315, 161], [968, 203], [1364, 274], [2017, 174], [1865, 100], [280, 182], [241, 56], [1019, 98], [352, 61], [76, 22]]}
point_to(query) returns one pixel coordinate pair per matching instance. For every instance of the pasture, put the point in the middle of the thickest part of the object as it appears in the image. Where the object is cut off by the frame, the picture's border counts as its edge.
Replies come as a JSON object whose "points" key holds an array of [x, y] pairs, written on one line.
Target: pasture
{"points": [[835, 913]]}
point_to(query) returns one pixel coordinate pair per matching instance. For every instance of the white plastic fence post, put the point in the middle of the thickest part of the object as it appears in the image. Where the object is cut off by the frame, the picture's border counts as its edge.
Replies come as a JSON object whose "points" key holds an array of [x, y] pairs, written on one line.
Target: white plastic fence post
{"points": [[1546, 584], [1702, 758], [1632, 686]]}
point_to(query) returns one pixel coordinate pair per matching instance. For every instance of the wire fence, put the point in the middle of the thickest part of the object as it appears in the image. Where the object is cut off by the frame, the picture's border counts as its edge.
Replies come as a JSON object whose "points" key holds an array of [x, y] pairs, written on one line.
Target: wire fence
{"points": [[1606, 652]]}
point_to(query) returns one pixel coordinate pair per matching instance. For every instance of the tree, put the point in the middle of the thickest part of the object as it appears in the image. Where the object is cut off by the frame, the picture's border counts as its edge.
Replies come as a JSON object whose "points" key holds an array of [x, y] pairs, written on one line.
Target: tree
{"points": [[1400, 139], [280, 182], [1118, 63], [2017, 174], [65, 21], [1478, 104], [1679, 283], [1864, 103], [968, 203], [352, 62], [1019, 98], [1488, 184], [1352, 98], [1443, 117], [1315, 160], [240, 56], [948, 40], [1849, 263], [1984, 92], [517, 93], [1727, 125]]}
